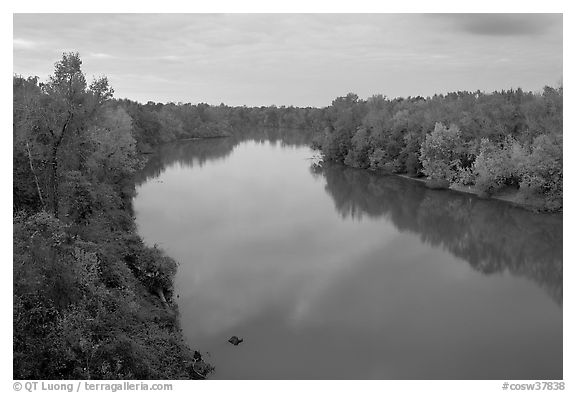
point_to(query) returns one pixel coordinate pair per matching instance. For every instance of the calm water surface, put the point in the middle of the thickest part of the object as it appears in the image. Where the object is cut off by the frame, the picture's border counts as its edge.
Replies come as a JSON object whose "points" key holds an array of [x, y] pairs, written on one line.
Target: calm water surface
{"points": [[343, 274]]}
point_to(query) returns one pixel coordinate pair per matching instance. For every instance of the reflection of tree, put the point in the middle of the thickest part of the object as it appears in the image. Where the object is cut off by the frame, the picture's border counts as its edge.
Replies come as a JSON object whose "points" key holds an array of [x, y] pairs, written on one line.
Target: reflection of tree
{"points": [[197, 152], [491, 236], [283, 136], [189, 153]]}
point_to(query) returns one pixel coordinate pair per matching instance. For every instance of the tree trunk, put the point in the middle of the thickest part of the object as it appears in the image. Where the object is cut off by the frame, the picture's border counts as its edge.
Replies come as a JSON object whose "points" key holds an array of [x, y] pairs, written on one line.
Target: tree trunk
{"points": [[54, 164], [35, 176], [54, 180]]}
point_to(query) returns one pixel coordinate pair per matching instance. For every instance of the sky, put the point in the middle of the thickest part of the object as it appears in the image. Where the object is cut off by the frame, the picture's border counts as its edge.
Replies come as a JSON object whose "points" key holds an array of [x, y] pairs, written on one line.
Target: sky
{"points": [[295, 59]]}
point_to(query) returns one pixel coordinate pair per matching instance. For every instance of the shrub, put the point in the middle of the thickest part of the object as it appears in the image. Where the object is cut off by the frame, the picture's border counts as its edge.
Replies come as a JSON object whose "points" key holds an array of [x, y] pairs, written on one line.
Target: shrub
{"points": [[465, 176], [497, 165]]}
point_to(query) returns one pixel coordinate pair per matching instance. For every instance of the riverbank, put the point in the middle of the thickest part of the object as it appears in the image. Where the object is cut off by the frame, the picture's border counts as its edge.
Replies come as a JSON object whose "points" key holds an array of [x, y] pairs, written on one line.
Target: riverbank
{"points": [[187, 360], [92, 301], [509, 195]]}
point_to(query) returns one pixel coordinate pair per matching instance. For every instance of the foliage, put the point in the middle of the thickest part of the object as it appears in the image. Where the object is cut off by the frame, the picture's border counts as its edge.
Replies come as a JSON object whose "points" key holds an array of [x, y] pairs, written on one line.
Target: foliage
{"points": [[381, 160], [465, 176], [90, 300], [156, 123], [336, 145], [360, 149], [497, 165], [440, 153], [410, 153], [505, 138], [542, 171], [113, 155], [53, 118], [70, 323]]}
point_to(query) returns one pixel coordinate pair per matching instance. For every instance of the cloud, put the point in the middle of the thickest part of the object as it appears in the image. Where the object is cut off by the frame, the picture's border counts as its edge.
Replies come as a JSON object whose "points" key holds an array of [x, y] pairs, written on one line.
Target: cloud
{"points": [[296, 59], [101, 56], [504, 24], [171, 58], [20, 43]]}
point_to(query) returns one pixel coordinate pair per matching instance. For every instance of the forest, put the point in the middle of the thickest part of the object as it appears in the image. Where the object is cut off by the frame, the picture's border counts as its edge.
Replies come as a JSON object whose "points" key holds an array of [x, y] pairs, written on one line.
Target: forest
{"points": [[92, 301], [507, 141], [155, 123]]}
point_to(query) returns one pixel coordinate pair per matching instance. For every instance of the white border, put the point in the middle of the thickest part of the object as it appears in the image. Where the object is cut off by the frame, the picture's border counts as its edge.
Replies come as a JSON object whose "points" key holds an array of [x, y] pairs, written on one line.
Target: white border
{"points": [[249, 6]]}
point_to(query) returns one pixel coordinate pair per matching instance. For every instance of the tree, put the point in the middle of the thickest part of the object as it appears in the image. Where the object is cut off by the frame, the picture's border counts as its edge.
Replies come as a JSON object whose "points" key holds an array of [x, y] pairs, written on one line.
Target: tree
{"points": [[65, 106], [411, 152], [440, 153], [113, 156], [542, 171], [359, 150], [27, 180], [497, 164], [171, 126]]}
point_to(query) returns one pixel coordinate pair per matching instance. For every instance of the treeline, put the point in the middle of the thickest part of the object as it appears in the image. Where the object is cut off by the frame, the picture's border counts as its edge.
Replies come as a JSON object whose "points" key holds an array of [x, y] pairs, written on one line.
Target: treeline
{"points": [[507, 140], [90, 300], [156, 123]]}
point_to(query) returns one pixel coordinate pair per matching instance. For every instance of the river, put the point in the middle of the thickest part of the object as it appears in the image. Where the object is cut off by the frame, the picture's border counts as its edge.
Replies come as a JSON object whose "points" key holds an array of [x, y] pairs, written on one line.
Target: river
{"points": [[337, 273]]}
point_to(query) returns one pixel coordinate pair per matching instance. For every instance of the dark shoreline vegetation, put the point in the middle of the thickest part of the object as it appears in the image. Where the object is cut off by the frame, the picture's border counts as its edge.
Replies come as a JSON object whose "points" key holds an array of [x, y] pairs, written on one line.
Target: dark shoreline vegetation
{"points": [[506, 144], [92, 301]]}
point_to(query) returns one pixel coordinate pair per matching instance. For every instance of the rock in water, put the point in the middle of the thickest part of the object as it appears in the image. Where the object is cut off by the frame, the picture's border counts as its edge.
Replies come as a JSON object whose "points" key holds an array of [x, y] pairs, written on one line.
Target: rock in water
{"points": [[235, 340]]}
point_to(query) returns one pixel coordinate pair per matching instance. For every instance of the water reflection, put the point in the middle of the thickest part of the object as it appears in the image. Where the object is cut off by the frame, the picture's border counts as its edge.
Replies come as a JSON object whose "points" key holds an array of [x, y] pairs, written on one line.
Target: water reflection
{"points": [[492, 236], [346, 274], [197, 152]]}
